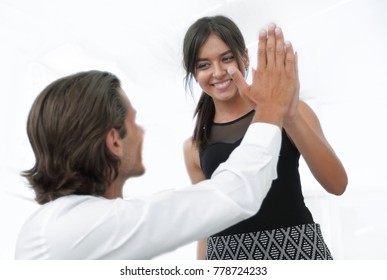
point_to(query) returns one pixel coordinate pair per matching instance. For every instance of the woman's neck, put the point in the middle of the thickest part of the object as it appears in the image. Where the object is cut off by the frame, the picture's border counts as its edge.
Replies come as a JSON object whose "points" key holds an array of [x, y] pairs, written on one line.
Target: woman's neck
{"points": [[230, 110]]}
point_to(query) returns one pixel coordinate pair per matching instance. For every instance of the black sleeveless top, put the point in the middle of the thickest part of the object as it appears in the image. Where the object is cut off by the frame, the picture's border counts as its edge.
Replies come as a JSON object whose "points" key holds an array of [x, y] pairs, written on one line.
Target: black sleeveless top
{"points": [[284, 204]]}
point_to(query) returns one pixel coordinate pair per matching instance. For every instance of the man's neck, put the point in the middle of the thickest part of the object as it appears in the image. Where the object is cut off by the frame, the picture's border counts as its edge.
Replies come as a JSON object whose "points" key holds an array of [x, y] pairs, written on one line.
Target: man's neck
{"points": [[114, 190]]}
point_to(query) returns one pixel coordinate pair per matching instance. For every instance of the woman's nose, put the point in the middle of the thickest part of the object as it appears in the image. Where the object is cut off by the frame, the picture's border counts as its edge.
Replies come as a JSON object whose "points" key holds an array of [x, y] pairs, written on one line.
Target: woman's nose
{"points": [[219, 71]]}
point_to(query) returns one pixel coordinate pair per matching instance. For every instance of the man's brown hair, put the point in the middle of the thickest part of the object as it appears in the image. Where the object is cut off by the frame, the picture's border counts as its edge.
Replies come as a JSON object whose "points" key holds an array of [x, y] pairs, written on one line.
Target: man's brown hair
{"points": [[67, 127]]}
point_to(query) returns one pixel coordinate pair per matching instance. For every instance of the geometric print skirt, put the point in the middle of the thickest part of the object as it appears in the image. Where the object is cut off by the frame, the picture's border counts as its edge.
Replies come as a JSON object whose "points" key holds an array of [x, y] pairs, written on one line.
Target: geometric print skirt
{"points": [[302, 242]]}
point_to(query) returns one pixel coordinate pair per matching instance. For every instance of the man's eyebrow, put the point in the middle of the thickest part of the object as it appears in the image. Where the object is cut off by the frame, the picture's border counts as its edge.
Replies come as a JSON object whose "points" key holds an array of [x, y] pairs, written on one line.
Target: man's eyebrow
{"points": [[222, 54]]}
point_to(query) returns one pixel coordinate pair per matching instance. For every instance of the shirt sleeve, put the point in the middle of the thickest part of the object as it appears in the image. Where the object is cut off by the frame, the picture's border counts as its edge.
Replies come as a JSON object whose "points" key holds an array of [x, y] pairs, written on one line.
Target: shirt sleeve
{"points": [[164, 221]]}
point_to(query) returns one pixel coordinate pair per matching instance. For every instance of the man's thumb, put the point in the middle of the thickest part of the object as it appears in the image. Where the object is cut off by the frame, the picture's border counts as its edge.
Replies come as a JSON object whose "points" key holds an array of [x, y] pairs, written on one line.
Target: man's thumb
{"points": [[238, 79]]}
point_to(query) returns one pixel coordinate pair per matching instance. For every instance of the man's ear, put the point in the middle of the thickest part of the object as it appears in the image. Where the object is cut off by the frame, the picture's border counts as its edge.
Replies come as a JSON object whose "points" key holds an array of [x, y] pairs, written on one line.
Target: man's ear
{"points": [[114, 142]]}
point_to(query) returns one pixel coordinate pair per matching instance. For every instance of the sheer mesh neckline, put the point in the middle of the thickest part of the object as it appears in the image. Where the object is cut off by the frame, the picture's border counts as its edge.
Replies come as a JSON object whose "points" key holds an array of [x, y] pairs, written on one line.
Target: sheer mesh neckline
{"points": [[230, 132], [233, 121]]}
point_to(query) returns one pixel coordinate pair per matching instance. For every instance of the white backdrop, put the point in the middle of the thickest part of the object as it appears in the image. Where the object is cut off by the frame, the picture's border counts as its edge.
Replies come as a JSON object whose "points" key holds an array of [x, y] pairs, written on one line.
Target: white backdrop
{"points": [[342, 56]]}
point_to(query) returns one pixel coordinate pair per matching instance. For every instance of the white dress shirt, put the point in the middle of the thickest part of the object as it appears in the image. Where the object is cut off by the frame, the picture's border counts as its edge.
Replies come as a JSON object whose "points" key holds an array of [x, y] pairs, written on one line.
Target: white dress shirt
{"points": [[89, 227]]}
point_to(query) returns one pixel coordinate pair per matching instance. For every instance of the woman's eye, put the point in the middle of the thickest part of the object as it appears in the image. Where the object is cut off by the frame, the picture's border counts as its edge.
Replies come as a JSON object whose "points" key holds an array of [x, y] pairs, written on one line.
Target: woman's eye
{"points": [[202, 65], [228, 58]]}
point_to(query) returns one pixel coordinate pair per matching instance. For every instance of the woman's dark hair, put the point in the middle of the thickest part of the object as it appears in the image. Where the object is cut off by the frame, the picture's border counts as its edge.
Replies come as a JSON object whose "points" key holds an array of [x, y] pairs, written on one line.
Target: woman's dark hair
{"points": [[195, 37], [67, 127]]}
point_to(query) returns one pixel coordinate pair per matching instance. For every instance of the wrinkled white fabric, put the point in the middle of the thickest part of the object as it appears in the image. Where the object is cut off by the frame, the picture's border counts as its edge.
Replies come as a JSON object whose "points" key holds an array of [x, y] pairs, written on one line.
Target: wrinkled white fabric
{"points": [[89, 227]]}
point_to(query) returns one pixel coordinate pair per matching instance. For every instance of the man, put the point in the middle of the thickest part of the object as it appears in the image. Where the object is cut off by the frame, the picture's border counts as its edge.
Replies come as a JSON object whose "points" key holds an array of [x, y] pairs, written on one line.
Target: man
{"points": [[87, 144]]}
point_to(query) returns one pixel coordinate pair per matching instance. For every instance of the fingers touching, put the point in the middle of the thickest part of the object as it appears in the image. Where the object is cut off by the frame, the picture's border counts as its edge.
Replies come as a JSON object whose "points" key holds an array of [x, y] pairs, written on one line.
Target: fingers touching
{"points": [[290, 59], [262, 49], [271, 46], [280, 47], [273, 51], [276, 72]]}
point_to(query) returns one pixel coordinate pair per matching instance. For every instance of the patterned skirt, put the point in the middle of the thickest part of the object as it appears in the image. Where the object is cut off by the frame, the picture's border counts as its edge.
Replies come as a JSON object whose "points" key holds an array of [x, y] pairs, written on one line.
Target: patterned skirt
{"points": [[302, 242]]}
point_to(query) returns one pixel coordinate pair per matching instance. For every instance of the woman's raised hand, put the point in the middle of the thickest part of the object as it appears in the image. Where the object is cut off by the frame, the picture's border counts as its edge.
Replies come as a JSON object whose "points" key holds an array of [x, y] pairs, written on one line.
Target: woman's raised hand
{"points": [[275, 82]]}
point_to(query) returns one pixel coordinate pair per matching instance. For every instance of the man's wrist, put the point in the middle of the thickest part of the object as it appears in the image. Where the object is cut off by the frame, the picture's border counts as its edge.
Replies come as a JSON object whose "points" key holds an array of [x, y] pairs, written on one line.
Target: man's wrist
{"points": [[273, 115]]}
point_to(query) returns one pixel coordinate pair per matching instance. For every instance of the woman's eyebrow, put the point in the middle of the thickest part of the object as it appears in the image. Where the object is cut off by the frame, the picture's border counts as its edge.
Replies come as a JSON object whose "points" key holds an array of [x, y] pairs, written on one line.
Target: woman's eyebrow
{"points": [[222, 54]]}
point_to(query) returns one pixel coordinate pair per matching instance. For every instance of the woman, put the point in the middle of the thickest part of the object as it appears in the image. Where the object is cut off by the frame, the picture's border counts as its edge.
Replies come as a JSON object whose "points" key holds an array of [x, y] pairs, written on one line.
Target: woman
{"points": [[283, 228]]}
